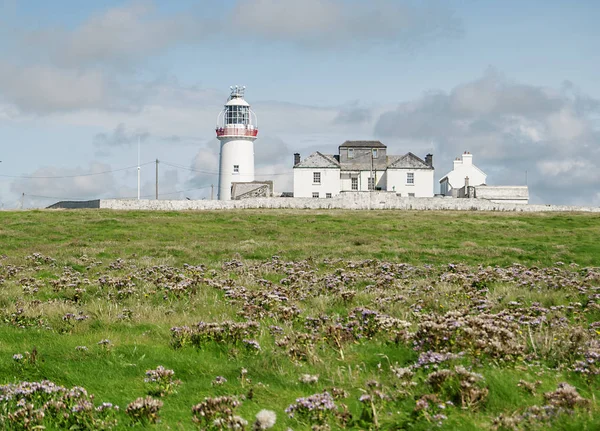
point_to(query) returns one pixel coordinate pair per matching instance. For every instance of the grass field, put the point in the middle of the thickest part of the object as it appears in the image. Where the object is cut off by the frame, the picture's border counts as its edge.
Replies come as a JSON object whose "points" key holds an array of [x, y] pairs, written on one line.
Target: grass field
{"points": [[356, 320]]}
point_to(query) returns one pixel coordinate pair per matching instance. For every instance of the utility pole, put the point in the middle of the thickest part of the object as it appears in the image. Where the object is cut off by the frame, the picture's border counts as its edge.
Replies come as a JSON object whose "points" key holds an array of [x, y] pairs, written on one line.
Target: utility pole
{"points": [[372, 185], [156, 179], [138, 170], [211, 191]]}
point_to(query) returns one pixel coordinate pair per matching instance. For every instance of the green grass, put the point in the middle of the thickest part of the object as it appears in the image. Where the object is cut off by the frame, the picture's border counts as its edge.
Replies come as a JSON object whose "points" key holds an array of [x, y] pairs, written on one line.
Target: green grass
{"points": [[400, 236], [317, 272]]}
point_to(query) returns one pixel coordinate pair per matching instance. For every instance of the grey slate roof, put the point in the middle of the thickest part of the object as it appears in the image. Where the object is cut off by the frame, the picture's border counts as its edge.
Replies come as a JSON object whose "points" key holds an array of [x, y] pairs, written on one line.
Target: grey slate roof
{"points": [[319, 160], [407, 161], [364, 164], [362, 144]]}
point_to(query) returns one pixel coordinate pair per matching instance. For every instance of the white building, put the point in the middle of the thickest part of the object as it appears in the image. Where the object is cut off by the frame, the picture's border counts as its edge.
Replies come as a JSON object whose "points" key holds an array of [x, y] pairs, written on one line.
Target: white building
{"points": [[465, 173], [362, 166], [237, 130], [468, 181]]}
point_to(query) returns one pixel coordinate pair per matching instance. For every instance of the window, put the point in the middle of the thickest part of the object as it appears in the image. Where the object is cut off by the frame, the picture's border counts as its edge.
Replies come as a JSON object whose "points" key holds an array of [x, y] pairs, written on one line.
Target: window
{"points": [[410, 178], [237, 115], [236, 169], [374, 153], [315, 194], [317, 177], [328, 195], [350, 153], [354, 183], [371, 183], [411, 195]]}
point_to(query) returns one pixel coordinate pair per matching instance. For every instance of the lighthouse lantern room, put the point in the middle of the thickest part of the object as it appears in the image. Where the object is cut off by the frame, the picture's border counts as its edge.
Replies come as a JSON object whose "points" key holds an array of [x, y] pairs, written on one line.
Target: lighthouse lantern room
{"points": [[237, 130]]}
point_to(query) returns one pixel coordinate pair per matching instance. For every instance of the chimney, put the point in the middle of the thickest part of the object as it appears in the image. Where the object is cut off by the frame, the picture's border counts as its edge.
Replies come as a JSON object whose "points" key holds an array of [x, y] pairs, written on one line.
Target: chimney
{"points": [[429, 160], [296, 158], [467, 158], [457, 162]]}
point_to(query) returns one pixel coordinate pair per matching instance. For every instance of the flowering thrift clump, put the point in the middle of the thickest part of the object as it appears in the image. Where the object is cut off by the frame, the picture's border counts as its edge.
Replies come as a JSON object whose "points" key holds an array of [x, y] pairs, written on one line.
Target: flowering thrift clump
{"points": [[161, 381], [224, 332], [144, 410], [219, 380], [318, 409], [251, 345], [460, 386], [564, 400], [308, 379], [432, 408], [218, 414], [482, 334], [37, 405], [406, 346]]}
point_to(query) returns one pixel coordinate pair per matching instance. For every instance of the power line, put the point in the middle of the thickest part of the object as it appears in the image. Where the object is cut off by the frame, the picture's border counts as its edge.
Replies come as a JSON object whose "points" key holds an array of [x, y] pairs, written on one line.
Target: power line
{"points": [[175, 165], [165, 194], [31, 177], [91, 199], [59, 198]]}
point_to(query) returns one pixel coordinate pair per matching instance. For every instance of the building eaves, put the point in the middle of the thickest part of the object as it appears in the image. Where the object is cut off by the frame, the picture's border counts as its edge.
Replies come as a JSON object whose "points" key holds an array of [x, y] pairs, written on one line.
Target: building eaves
{"points": [[407, 161], [318, 160], [448, 174]]}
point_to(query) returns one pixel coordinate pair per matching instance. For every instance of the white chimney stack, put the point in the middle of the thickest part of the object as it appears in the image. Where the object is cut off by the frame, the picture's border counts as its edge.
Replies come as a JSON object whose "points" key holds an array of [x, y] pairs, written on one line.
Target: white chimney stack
{"points": [[467, 158]]}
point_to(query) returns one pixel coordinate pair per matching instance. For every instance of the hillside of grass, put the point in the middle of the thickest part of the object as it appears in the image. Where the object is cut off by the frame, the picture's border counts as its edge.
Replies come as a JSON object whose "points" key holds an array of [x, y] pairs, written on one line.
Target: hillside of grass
{"points": [[322, 320], [401, 236]]}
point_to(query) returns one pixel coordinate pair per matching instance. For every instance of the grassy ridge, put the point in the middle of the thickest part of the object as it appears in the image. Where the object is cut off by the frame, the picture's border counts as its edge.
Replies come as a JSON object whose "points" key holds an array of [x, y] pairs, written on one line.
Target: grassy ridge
{"points": [[135, 288], [400, 236]]}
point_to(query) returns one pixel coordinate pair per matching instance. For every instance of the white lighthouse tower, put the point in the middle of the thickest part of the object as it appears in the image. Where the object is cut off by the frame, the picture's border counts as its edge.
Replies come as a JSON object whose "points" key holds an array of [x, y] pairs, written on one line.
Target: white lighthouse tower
{"points": [[236, 129]]}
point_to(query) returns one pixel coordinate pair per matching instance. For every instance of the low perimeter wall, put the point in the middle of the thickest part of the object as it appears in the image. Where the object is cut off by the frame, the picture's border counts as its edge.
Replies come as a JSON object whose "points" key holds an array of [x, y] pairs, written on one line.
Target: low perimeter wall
{"points": [[349, 201]]}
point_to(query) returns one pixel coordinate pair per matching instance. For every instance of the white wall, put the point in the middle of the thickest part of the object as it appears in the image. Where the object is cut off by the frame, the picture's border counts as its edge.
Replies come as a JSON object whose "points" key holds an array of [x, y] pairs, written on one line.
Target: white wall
{"points": [[346, 200], [304, 185], [235, 151], [506, 194], [422, 187], [363, 180], [346, 181]]}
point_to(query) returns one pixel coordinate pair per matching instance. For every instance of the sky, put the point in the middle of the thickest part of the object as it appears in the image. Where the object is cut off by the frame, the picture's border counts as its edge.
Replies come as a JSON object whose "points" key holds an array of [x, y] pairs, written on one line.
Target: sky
{"points": [[84, 84]]}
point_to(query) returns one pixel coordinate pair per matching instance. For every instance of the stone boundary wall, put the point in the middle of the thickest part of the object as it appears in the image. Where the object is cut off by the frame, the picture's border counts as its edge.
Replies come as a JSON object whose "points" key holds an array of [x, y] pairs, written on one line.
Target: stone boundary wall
{"points": [[348, 201]]}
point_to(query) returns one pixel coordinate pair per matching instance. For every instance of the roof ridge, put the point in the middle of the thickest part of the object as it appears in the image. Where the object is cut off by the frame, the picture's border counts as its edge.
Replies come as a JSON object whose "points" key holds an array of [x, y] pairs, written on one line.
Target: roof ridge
{"points": [[407, 156]]}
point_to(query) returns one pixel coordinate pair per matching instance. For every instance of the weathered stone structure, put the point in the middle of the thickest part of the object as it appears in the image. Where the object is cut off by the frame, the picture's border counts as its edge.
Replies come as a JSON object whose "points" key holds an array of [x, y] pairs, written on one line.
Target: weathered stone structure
{"points": [[346, 200]]}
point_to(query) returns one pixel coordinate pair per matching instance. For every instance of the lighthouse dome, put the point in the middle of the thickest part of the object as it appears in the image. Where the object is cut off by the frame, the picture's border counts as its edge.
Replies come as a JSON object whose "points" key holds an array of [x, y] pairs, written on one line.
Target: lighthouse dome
{"points": [[237, 101]]}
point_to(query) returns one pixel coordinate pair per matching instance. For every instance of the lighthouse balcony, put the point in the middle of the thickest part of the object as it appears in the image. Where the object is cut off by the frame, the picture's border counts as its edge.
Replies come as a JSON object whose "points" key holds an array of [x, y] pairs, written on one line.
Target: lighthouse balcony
{"points": [[237, 130]]}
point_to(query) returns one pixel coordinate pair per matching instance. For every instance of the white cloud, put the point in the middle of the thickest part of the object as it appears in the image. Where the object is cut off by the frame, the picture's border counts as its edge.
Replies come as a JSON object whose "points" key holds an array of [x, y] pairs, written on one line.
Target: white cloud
{"points": [[48, 88], [118, 37], [510, 128], [327, 23], [566, 125], [119, 137], [584, 170], [53, 183], [94, 65]]}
